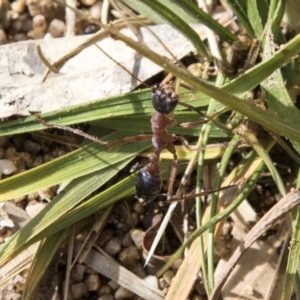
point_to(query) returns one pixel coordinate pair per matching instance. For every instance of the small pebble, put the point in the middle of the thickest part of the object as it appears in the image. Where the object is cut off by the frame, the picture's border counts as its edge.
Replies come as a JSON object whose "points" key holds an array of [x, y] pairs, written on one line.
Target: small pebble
{"points": [[137, 235], [19, 199], [38, 160], [19, 162], [152, 281], [105, 236], [18, 6], [78, 290], [39, 27], [3, 140], [47, 8], [3, 38], [27, 157], [104, 290], [31, 147], [7, 167], [134, 219], [106, 297], [34, 207], [77, 272], [19, 282], [92, 282], [95, 10], [126, 240], [46, 193], [123, 293], [90, 270], [88, 2], [113, 246], [113, 285], [139, 271], [139, 208], [15, 296], [57, 28], [168, 276], [48, 157], [129, 257], [162, 283], [198, 297], [10, 153], [32, 196]]}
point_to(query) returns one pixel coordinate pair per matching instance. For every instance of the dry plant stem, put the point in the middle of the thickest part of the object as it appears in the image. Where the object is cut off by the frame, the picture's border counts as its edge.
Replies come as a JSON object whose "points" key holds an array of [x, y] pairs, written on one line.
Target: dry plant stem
{"points": [[286, 204], [70, 18], [69, 261], [93, 234], [137, 21]]}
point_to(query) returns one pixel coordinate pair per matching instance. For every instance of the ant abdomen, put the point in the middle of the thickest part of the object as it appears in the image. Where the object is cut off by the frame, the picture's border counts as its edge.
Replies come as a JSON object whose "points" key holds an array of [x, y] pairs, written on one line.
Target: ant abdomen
{"points": [[147, 186], [164, 98]]}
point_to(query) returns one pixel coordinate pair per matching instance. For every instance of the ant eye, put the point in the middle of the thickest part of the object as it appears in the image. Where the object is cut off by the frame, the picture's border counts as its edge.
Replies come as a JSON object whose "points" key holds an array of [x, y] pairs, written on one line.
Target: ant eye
{"points": [[164, 98]]}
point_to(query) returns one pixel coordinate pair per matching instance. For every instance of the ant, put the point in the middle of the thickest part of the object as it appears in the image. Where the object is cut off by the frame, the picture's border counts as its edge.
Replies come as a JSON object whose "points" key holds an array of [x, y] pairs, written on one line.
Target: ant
{"points": [[148, 182], [164, 100]]}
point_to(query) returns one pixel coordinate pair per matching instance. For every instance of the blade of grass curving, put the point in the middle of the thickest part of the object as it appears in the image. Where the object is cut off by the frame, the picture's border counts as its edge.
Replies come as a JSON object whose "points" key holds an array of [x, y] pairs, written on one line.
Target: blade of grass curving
{"points": [[216, 219], [278, 98], [213, 211], [276, 12], [42, 259], [178, 23], [61, 212], [130, 104], [202, 17], [267, 119], [83, 161], [255, 18], [240, 11], [72, 196], [294, 253], [144, 10], [256, 145]]}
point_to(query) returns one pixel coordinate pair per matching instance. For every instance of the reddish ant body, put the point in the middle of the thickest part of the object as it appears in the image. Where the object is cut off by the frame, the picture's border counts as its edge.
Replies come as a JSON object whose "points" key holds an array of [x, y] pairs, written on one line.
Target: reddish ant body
{"points": [[148, 183]]}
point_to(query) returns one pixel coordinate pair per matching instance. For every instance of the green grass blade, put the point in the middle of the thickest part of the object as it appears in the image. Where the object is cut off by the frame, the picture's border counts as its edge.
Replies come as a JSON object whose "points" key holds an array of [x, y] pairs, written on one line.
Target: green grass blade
{"points": [[178, 23], [240, 11], [202, 17], [83, 161], [265, 118], [46, 251]]}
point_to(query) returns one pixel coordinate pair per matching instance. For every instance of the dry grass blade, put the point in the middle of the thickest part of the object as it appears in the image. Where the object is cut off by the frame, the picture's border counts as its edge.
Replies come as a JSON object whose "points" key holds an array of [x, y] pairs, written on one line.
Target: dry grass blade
{"points": [[113, 270], [279, 210]]}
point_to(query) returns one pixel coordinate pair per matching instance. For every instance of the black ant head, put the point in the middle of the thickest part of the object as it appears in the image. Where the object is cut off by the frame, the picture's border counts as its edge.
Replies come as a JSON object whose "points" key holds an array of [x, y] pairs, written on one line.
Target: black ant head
{"points": [[164, 98], [147, 186]]}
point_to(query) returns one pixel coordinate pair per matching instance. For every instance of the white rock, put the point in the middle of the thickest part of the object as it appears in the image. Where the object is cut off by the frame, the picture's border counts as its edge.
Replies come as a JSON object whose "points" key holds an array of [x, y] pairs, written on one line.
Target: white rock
{"points": [[123, 293], [137, 235], [92, 282], [152, 281], [57, 28], [34, 207], [7, 167], [77, 272], [78, 290], [168, 276], [113, 246], [113, 284]]}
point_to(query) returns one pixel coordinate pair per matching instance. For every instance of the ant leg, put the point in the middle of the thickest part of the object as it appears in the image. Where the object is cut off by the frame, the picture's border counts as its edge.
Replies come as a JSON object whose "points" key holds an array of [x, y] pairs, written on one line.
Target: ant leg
{"points": [[182, 140], [191, 124], [171, 148], [131, 139]]}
